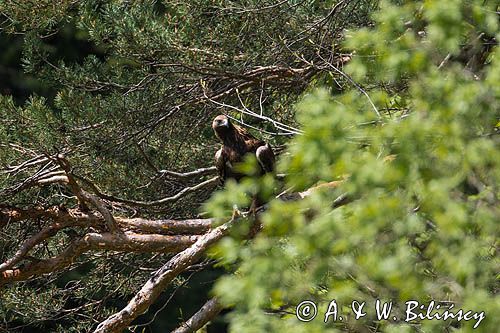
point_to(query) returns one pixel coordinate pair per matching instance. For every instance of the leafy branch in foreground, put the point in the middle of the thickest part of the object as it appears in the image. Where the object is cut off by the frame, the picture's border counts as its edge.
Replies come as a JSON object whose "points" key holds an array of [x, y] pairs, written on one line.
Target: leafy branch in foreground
{"points": [[424, 226]]}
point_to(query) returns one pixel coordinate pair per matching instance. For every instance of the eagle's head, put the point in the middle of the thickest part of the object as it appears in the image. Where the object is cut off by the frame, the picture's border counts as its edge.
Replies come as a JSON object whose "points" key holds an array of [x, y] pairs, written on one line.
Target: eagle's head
{"points": [[221, 126], [221, 121]]}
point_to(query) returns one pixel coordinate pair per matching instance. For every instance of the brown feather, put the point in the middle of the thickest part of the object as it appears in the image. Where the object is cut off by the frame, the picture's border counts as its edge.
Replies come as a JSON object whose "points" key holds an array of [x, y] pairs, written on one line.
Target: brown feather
{"points": [[236, 143]]}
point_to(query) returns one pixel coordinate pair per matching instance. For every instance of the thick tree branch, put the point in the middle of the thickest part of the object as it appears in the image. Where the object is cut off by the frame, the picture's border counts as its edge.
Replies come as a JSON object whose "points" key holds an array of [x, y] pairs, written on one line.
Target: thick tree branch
{"points": [[9, 214], [73, 185], [170, 227], [66, 258], [129, 242], [108, 217], [151, 232], [207, 312], [142, 236], [31, 242], [160, 279], [77, 217]]}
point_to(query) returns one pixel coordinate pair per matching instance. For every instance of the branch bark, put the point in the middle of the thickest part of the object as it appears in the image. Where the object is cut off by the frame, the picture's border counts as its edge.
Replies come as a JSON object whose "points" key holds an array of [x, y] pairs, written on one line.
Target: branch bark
{"points": [[159, 280], [76, 217], [130, 242], [169, 227], [189, 175], [207, 312], [31, 242]]}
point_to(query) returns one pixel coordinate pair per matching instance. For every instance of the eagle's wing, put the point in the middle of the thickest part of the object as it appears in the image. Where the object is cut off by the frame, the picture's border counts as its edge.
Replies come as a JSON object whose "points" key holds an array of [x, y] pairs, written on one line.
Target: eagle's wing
{"points": [[265, 156], [220, 164]]}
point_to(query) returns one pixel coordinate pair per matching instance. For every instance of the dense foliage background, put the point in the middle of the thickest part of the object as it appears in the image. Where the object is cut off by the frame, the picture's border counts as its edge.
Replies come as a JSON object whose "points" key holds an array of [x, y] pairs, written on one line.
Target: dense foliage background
{"points": [[407, 131]]}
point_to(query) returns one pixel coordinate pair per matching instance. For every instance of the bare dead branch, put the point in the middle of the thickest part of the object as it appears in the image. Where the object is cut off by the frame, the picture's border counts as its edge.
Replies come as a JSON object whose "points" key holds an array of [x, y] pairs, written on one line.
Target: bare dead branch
{"points": [[77, 217], [207, 183], [9, 214], [170, 227], [153, 236], [159, 280], [53, 179], [37, 160], [73, 185], [31, 242], [108, 217], [130, 242], [189, 175], [46, 174], [207, 312], [88, 127], [66, 258], [20, 149], [83, 196]]}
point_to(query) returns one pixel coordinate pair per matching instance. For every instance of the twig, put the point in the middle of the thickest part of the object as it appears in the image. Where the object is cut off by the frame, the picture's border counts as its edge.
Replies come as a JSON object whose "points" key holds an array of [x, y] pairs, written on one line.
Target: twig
{"points": [[159, 202], [206, 313], [353, 83], [189, 175]]}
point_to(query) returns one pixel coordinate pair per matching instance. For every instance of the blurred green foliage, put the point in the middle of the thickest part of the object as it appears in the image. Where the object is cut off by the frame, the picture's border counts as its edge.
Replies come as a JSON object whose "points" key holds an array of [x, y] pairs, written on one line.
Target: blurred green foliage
{"points": [[424, 221]]}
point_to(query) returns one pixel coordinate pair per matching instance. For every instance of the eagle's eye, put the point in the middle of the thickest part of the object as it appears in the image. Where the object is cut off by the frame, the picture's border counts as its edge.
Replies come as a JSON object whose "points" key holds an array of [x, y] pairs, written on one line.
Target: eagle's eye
{"points": [[220, 122]]}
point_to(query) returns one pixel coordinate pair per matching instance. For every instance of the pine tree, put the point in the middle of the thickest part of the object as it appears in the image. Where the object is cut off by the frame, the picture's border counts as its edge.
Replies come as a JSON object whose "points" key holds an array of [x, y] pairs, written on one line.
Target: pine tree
{"points": [[385, 118]]}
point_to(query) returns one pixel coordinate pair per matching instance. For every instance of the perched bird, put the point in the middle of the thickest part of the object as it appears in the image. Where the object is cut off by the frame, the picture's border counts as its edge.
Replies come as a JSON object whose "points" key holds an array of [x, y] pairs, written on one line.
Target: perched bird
{"points": [[236, 143]]}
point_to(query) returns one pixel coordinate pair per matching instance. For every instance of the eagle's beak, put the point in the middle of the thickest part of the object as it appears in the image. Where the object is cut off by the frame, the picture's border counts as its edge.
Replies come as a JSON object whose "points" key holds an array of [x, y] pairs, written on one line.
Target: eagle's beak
{"points": [[224, 123]]}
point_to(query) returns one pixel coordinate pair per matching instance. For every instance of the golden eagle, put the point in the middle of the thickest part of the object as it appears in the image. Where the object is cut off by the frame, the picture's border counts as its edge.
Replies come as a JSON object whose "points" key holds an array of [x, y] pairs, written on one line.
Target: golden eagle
{"points": [[236, 143]]}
